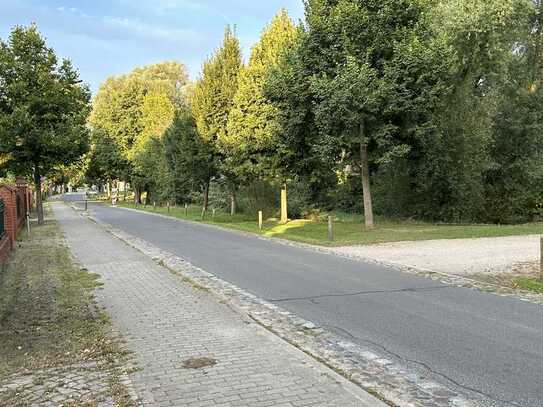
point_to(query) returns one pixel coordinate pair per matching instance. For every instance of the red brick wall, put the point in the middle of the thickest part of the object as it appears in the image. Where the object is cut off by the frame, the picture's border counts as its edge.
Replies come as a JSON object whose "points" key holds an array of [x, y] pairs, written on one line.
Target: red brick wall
{"points": [[11, 226], [13, 219]]}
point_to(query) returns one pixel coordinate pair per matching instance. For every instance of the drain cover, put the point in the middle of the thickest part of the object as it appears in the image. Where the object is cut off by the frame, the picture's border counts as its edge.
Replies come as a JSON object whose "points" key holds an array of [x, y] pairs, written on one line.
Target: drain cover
{"points": [[198, 363]]}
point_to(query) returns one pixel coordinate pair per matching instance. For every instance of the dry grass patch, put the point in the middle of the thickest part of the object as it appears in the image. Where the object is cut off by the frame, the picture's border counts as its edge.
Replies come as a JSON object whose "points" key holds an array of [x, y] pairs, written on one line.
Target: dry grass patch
{"points": [[49, 318], [523, 276]]}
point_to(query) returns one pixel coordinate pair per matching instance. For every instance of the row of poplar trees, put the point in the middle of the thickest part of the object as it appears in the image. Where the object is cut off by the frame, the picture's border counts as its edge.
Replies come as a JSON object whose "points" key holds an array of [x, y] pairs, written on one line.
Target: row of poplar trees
{"points": [[430, 107]]}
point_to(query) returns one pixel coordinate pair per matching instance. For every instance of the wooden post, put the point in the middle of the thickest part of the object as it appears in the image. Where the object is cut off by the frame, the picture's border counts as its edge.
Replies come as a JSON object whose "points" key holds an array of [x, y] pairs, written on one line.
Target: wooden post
{"points": [[330, 229], [284, 212], [366, 188], [259, 220]]}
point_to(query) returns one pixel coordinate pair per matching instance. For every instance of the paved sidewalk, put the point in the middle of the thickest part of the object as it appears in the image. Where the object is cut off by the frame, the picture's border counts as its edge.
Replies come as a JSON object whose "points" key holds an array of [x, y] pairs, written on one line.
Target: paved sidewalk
{"points": [[167, 321]]}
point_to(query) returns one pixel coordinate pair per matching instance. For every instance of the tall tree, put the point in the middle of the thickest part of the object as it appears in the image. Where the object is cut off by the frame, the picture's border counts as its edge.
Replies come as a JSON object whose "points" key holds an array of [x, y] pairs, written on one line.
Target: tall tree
{"points": [[252, 122], [515, 175], [295, 152], [372, 76], [189, 157], [212, 101], [105, 161], [43, 108], [157, 112], [134, 108], [448, 165], [249, 144]]}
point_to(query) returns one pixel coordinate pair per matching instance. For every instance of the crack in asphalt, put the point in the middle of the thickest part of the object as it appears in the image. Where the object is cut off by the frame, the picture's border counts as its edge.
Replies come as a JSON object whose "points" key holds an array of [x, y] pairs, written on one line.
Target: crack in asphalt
{"points": [[399, 290], [424, 365], [388, 351]]}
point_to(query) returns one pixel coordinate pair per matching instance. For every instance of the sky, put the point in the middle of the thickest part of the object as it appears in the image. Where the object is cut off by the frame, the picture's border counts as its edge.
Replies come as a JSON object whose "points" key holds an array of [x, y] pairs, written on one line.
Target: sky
{"points": [[111, 37]]}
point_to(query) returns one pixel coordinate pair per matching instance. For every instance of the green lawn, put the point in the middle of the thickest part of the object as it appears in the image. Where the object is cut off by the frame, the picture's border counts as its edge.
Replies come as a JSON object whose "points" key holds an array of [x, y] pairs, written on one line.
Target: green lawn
{"points": [[348, 229]]}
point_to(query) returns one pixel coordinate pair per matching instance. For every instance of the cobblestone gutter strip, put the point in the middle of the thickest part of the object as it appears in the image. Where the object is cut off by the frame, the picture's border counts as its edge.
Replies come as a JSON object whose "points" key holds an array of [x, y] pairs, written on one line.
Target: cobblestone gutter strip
{"points": [[377, 375], [445, 278]]}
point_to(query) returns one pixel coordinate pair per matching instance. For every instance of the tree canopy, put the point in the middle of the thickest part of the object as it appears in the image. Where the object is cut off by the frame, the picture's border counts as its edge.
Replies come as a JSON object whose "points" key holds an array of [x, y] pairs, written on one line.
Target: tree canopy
{"points": [[249, 143], [43, 108], [133, 111], [211, 102], [426, 109]]}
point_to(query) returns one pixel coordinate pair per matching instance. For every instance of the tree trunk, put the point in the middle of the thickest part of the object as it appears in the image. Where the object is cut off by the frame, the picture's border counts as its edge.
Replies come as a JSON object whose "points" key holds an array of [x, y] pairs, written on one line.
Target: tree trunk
{"points": [[365, 171], [233, 201], [206, 196], [108, 189], [147, 197], [137, 195], [39, 203]]}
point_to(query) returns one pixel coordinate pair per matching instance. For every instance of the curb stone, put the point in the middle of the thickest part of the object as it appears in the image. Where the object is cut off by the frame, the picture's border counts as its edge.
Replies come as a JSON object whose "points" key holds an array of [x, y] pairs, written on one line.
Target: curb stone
{"points": [[362, 366]]}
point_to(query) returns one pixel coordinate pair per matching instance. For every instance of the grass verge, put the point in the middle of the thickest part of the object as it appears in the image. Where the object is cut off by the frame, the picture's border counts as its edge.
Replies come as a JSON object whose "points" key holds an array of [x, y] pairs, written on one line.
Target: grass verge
{"points": [[529, 284], [522, 276], [49, 318], [348, 229]]}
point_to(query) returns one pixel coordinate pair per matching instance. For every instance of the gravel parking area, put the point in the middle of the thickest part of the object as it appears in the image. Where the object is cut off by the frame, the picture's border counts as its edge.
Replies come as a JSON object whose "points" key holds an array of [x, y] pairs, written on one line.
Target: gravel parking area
{"points": [[453, 256]]}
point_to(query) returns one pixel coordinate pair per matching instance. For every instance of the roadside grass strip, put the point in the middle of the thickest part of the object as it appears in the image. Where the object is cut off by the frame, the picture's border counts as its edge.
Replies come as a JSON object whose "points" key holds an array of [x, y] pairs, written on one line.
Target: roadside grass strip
{"points": [[529, 284], [348, 228]]}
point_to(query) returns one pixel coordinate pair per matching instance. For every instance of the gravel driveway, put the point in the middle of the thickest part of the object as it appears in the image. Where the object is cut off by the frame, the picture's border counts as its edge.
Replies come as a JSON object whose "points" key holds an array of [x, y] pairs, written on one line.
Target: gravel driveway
{"points": [[453, 256]]}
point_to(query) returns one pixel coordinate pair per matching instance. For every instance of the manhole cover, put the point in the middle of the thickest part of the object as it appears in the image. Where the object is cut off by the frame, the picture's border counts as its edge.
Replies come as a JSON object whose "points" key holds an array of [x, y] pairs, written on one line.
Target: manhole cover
{"points": [[198, 363]]}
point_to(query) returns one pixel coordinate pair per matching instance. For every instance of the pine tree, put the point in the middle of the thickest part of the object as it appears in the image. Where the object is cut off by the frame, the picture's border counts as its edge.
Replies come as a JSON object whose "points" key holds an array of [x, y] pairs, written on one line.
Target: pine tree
{"points": [[212, 101], [252, 123], [214, 92]]}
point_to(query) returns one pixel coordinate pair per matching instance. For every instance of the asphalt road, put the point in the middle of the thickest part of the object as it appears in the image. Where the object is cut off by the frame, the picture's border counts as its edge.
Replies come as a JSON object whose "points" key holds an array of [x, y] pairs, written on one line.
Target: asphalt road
{"points": [[480, 344]]}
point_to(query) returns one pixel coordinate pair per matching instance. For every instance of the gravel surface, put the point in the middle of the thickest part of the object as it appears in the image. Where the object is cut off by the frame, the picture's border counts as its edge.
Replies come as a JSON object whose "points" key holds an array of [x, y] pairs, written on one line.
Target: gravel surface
{"points": [[453, 256]]}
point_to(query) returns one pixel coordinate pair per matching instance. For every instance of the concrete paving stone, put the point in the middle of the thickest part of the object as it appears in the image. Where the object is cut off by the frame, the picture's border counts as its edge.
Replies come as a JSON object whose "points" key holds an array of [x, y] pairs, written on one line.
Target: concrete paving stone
{"points": [[159, 314]]}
